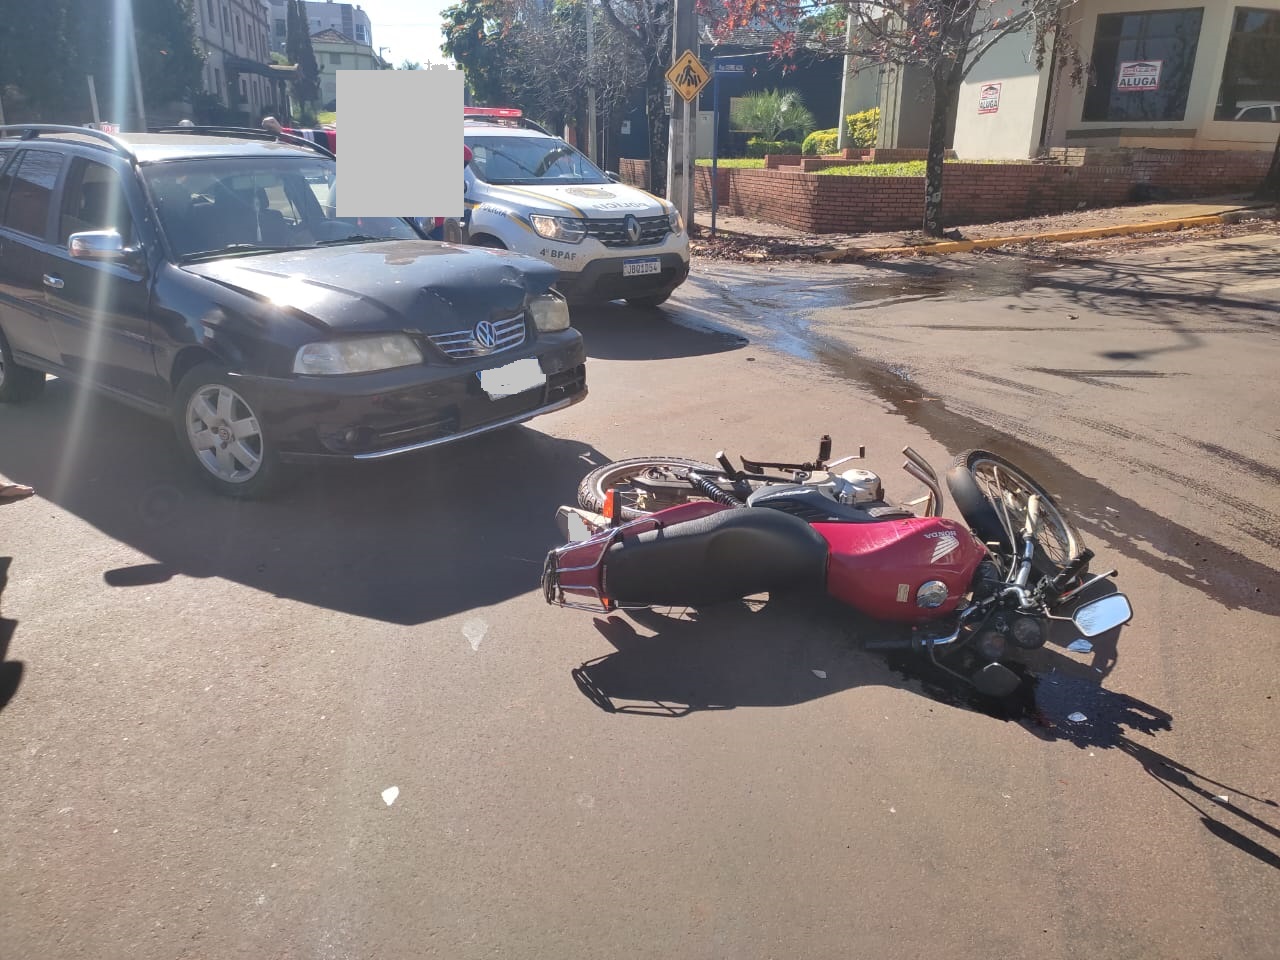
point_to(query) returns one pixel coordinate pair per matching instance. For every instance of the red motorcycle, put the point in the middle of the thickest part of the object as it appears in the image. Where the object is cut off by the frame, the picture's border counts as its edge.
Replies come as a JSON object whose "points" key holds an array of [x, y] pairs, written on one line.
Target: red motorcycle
{"points": [[671, 532]]}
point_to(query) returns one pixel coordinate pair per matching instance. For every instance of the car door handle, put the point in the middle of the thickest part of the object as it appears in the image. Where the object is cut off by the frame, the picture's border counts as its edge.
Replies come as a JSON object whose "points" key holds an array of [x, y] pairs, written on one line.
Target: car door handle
{"points": [[51, 281]]}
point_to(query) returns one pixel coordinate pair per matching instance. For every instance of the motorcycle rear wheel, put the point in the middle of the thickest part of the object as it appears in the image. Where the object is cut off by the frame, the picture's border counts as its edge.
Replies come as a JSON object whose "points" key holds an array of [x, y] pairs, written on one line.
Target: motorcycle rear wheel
{"points": [[618, 475], [992, 494]]}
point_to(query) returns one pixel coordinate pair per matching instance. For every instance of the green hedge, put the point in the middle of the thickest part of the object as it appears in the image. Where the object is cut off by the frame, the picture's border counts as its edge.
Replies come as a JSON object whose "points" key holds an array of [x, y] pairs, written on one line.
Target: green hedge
{"points": [[758, 148], [821, 142]]}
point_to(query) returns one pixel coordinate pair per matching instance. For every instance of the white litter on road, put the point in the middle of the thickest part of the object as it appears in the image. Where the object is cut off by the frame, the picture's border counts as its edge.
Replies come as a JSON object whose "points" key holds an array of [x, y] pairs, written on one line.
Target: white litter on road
{"points": [[1223, 799], [1080, 646], [474, 630], [820, 674], [1077, 717], [389, 795]]}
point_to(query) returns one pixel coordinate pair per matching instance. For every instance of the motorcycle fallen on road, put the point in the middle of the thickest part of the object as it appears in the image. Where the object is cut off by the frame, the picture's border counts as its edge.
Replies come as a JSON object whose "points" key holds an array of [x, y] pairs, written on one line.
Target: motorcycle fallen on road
{"points": [[673, 532]]}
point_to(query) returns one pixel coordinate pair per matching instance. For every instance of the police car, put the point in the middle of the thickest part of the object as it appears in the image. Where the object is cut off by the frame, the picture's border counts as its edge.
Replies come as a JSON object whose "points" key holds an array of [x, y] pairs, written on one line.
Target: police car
{"points": [[530, 192]]}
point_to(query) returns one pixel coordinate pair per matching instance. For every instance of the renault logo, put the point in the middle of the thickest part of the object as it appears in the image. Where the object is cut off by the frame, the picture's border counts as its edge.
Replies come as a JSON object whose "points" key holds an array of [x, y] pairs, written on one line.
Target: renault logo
{"points": [[632, 226], [485, 335]]}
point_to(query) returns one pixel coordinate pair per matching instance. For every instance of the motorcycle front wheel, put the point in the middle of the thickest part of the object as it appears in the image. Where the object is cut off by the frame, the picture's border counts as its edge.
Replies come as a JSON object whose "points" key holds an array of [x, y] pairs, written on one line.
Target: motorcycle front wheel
{"points": [[633, 501], [992, 494]]}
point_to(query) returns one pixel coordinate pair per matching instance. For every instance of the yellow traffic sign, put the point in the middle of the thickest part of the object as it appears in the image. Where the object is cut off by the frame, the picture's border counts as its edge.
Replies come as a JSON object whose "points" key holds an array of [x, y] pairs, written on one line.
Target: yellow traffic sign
{"points": [[687, 75]]}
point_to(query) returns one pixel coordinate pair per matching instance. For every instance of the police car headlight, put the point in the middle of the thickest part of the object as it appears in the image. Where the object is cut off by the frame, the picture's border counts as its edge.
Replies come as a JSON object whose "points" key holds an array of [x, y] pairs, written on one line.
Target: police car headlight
{"points": [[677, 221], [550, 313], [564, 229], [357, 355]]}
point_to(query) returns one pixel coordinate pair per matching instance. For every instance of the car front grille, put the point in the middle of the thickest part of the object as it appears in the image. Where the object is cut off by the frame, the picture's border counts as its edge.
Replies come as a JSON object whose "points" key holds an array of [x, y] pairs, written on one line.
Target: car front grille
{"points": [[613, 233], [464, 344]]}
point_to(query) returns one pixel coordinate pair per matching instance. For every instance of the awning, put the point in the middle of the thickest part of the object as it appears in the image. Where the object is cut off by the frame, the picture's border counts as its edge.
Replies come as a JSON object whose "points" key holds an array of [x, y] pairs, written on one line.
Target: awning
{"points": [[271, 71]]}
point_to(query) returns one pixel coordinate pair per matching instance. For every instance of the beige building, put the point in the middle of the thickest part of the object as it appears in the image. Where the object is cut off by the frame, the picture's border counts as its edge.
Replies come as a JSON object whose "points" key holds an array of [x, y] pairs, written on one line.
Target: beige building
{"points": [[1168, 74], [334, 52], [236, 39]]}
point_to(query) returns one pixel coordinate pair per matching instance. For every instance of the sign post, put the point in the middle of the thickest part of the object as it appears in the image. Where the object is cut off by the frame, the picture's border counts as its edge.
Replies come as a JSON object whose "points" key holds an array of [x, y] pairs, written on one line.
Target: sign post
{"points": [[719, 68], [687, 77]]}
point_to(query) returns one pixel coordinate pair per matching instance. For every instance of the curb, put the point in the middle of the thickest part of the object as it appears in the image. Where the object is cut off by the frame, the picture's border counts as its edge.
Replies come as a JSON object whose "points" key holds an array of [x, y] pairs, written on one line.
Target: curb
{"points": [[847, 254]]}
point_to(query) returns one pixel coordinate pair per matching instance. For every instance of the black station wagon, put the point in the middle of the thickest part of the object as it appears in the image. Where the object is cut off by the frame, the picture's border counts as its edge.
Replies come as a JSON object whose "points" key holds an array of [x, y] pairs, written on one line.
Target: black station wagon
{"points": [[204, 275]]}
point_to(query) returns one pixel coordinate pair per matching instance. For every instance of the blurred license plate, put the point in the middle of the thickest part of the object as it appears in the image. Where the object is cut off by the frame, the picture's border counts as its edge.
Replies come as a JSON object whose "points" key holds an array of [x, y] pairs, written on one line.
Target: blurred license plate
{"points": [[641, 268], [512, 379]]}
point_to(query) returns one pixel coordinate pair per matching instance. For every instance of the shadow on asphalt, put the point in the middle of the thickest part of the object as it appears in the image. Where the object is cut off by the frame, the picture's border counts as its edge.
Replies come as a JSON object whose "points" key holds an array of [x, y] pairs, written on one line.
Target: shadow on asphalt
{"points": [[10, 670], [616, 332], [765, 655], [404, 541]]}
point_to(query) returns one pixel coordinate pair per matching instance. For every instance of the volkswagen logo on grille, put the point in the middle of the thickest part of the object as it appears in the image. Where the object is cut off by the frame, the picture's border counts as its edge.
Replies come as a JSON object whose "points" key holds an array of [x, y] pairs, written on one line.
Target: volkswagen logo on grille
{"points": [[632, 226], [486, 336]]}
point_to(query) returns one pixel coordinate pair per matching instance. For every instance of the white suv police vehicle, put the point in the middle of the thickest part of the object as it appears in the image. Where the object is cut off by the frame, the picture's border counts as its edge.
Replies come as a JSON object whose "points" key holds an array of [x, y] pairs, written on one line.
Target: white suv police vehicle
{"points": [[532, 193]]}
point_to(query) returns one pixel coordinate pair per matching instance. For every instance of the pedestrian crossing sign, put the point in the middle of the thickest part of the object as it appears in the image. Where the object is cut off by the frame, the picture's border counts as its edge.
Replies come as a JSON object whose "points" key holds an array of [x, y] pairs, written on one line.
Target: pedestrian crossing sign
{"points": [[687, 75]]}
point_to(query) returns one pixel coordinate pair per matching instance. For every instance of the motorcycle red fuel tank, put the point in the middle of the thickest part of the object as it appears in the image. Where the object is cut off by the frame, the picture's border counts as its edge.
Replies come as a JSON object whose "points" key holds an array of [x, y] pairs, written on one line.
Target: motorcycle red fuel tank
{"points": [[878, 567]]}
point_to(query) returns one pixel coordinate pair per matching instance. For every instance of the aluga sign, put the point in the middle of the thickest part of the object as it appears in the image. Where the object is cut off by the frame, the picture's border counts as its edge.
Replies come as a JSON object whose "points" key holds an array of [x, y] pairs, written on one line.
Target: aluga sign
{"points": [[1140, 76]]}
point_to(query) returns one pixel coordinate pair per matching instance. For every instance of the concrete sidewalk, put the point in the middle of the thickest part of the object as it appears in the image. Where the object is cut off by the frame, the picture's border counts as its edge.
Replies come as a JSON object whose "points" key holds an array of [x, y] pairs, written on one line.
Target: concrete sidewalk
{"points": [[1084, 224]]}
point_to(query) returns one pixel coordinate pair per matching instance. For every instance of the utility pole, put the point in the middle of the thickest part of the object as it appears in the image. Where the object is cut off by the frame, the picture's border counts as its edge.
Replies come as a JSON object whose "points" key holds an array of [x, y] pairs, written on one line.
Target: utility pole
{"points": [[846, 83], [591, 90], [684, 36]]}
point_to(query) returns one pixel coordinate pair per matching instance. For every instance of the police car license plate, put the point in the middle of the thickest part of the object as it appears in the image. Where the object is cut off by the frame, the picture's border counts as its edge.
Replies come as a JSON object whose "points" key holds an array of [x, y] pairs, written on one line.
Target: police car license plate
{"points": [[642, 267], [513, 378]]}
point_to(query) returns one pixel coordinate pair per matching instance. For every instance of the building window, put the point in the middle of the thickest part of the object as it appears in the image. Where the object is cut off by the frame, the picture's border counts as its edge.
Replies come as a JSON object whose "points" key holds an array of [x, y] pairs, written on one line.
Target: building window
{"points": [[360, 32], [217, 83], [280, 28], [1250, 88], [1142, 64], [213, 17], [239, 35], [335, 58]]}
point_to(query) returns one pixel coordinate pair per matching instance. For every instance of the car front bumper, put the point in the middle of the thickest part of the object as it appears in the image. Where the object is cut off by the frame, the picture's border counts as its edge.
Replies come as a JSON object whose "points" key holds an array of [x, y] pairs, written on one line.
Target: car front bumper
{"points": [[602, 280], [392, 412]]}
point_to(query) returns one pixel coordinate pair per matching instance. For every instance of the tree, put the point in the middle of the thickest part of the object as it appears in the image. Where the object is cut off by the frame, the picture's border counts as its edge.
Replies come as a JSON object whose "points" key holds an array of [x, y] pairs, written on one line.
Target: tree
{"points": [[645, 25], [946, 38], [306, 86], [477, 38], [407, 64], [35, 52]]}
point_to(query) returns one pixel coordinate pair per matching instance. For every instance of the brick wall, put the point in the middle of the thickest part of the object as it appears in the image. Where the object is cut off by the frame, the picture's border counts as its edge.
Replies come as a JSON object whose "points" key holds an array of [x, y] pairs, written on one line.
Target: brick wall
{"points": [[634, 172], [973, 192]]}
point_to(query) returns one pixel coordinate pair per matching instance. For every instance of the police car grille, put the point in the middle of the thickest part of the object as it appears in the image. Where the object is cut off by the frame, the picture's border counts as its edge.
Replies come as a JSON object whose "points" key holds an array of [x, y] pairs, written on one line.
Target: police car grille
{"points": [[462, 344], [613, 233]]}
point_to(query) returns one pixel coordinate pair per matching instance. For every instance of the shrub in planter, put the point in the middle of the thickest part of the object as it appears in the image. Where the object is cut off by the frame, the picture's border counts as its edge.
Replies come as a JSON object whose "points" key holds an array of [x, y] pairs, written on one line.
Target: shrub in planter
{"points": [[820, 142], [757, 147], [863, 127]]}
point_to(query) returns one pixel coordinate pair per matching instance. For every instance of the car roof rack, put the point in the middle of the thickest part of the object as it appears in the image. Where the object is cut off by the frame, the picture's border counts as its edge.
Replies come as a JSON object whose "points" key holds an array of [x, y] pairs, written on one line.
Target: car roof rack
{"points": [[245, 133], [103, 141]]}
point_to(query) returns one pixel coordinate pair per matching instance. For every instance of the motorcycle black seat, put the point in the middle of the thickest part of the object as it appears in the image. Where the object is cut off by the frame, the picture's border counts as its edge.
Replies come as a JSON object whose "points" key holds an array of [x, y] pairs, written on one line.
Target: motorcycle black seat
{"points": [[813, 506], [724, 556]]}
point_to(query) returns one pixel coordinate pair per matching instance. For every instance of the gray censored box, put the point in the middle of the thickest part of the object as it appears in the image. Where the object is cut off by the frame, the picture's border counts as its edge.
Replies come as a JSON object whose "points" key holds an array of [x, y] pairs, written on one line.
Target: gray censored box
{"points": [[401, 150]]}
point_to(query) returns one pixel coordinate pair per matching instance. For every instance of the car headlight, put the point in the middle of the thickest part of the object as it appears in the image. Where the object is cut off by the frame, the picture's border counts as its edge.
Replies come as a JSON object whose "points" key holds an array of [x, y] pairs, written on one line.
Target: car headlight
{"points": [[677, 221], [357, 355], [565, 229], [550, 313]]}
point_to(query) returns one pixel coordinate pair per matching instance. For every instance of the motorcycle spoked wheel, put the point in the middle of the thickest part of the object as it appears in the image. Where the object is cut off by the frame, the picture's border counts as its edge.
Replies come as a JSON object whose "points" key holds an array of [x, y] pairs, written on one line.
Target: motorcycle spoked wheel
{"points": [[992, 495], [633, 503]]}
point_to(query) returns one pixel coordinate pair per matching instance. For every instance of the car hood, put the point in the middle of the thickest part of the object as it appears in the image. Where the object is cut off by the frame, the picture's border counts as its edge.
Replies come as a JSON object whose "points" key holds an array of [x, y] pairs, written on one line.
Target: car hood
{"points": [[389, 285], [608, 200]]}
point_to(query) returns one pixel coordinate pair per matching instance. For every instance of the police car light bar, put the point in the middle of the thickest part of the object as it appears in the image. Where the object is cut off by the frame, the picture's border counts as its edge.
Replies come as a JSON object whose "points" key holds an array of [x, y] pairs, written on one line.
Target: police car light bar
{"points": [[511, 112]]}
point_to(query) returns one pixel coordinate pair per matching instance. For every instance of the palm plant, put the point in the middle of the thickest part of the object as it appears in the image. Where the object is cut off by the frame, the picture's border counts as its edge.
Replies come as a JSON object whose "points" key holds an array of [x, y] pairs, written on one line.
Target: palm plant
{"points": [[771, 113]]}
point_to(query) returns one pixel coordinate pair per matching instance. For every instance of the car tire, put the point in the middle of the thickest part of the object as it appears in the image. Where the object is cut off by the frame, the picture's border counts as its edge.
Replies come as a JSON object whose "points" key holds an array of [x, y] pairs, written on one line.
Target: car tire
{"points": [[221, 436], [650, 302], [17, 384]]}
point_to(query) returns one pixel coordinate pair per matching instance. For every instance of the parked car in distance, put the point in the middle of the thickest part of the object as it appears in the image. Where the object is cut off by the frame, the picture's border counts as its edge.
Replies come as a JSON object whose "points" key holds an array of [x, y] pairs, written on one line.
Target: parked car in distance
{"points": [[1267, 111], [205, 276]]}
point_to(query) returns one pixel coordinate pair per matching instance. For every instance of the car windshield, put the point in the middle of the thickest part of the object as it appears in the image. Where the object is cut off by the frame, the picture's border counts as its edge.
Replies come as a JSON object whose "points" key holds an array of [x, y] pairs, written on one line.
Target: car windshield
{"points": [[243, 205], [531, 160]]}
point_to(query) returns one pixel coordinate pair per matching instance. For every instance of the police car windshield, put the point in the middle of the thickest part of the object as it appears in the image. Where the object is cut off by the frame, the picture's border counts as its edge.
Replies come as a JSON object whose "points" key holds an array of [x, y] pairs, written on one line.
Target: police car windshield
{"points": [[531, 160]]}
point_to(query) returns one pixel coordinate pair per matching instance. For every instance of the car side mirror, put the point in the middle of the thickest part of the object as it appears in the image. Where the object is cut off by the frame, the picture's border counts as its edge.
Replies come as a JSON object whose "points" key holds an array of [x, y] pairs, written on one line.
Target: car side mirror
{"points": [[103, 245], [613, 175]]}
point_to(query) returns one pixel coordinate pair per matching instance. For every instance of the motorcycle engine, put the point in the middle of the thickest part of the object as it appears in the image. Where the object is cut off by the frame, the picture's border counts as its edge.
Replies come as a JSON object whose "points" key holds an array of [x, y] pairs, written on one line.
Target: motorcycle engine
{"points": [[856, 486]]}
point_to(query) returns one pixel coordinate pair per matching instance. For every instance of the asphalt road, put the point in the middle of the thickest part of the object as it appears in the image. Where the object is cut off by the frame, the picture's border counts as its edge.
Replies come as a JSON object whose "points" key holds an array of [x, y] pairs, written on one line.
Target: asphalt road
{"points": [[204, 701]]}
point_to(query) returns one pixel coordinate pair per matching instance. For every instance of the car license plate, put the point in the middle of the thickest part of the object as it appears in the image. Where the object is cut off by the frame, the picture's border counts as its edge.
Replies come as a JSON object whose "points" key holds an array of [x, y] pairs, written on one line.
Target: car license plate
{"points": [[506, 381], [642, 267]]}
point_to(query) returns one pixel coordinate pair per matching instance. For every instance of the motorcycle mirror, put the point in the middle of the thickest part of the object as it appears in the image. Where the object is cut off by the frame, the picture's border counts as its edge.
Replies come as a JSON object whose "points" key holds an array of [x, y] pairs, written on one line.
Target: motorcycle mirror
{"points": [[996, 680], [1104, 614]]}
